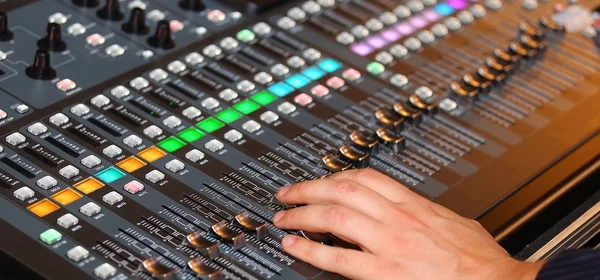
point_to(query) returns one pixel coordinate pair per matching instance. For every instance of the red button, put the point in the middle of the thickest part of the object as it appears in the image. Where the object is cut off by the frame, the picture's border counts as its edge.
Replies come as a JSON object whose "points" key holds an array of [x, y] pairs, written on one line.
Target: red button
{"points": [[351, 74], [95, 39], [65, 85], [134, 187], [303, 99], [319, 90], [335, 82], [175, 25]]}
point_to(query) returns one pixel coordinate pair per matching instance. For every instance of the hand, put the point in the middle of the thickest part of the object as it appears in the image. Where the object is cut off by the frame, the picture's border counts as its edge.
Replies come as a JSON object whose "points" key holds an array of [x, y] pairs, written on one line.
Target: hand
{"points": [[402, 235]]}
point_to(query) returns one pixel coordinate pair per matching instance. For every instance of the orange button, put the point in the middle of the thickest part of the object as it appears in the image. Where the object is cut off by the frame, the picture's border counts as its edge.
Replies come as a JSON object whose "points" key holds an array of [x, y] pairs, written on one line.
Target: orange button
{"points": [[66, 196], [43, 207], [88, 185], [131, 164], [151, 154]]}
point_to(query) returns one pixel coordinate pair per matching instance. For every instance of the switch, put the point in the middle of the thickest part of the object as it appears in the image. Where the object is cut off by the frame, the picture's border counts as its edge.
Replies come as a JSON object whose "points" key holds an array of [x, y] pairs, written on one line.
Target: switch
{"points": [[78, 253], [90, 209], [112, 198], [67, 220], [50, 236]]}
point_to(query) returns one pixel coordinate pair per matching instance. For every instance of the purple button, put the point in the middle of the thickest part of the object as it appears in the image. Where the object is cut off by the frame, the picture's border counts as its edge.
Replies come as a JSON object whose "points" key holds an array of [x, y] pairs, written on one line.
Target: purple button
{"points": [[404, 28], [390, 35], [431, 15], [376, 42], [361, 49], [417, 21], [457, 4]]}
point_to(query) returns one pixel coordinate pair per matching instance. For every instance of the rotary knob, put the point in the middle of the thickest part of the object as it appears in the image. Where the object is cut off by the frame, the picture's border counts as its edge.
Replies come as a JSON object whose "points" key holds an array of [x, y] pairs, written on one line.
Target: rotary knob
{"points": [[53, 40], [86, 3], [162, 36], [192, 5], [111, 11], [136, 23], [5, 33], [41, 69]]}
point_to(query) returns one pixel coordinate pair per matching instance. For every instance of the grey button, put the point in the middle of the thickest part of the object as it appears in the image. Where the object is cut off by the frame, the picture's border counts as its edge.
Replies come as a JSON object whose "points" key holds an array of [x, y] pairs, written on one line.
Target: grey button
{"points": [[280, 69], [251, 126], [296, 62], [412, 43], [132, 141], [176, 66], [345, 38], [228, 95], [90, 209], [466, 17], [136, 4], [155, 15], [388, 18], [296, 13], [452, 23], [529, 4], [139, 83], [192, 112], [429, 2], [78, 253], [326, 3], [100, 100], [286, 23], [112, 151], [67, 220], [439, 30], [175, 166], [399, 80], [210, 103], [24, 193], [57, 18], [158, 74], [233, 136], [415, 6], [263, 78], [120, 91], [59, 119], [589, 32], [69, 171], [153, 131], [154, 176], [200, 31], [194, 58], [114, 50], [91, 161], [424, 92], [76, 29], [359, 31], [311, 54], [447, 105], [311, 7], [261, 28], [384, 57], [426, 37], [15, 139], [214, 145], [172, 122], [269, 117], [112, 198], [22, 109], [104, 271], [478, 11], [245, 86], [374, 24], [194, 155], [402, 11], [80, 110], [286, 108], [37, 129], [399, 51], [229, 43], [212, 51], [46, 182]]}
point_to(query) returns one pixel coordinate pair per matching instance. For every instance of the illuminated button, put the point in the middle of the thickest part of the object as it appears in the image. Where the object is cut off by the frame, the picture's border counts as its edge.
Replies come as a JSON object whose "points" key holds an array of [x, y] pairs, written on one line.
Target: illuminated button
{"points": [[216, 16], [261, 28], [228, 115], [80, 110], [311, 54], [172, 122], [313, 73], [263, 78], [194, 58], [319, 90], [269, 117], [112, 198], [90, 209], [336, 82], [214, 145], [297, 81], [296, 62], [352, 74], [156, 15], [77, 254], [50, 236], [69, 171], [15, 139], [263, 98], [229, 43], [133, 187], [194, 155], [46, 182], [251, 126], [95, 39], [245, 106], [65, 85], [100, 100], [286, 108], [212, 51], [245, 86], [210, 103], [114, 50], [23, 193], [43, 207], [105, 271], [132, 141], [375, 68], [151, 154], [245, 35], [131, 164], [191, 134], [91, 161], [89, 185], [281, 89], [154, 176], [175, 165], [147, 54], [3, 114], [192, 112], [67, 220], [153, 131], [22, 109], [326, 3], [120, 91], [110, 175], [176, 25], [210, 125], [66, 196], [303, 99], [329, 65], [139, 83], [158, 74], [37, 129], [76, 29], [112, 151]]}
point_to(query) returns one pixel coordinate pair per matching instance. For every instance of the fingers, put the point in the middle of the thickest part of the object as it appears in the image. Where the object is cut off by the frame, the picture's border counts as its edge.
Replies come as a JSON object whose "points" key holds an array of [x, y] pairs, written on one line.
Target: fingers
{"points": [[349, 263], [343, 192]]}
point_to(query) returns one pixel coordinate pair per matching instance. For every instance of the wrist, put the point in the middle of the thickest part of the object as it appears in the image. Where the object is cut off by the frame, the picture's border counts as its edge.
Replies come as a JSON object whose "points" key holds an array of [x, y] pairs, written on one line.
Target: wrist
{"points": [[519, 270]]}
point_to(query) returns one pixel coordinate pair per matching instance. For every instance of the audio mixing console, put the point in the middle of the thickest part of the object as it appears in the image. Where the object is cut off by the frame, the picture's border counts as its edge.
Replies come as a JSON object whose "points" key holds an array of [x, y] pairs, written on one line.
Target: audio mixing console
{"points": [[146, 139]]}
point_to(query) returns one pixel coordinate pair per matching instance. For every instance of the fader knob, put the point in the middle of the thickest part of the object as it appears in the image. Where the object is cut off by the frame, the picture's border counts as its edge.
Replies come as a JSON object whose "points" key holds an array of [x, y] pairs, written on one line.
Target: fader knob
{"points": [[53, 40], [41, 69], [162, 37], [111, 11], [5, 33], [192, 5], [86, 3], [136, 23]]}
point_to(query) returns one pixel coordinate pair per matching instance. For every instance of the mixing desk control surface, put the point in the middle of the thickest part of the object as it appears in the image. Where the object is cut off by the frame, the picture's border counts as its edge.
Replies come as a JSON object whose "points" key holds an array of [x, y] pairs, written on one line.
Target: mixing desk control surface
{"points": [[146, 139]]}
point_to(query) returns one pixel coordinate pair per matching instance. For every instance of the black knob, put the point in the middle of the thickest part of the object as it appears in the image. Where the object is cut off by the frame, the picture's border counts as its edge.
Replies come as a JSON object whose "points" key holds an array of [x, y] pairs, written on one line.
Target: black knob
{"points": [[53, 40], [41, 69], [111, 11], [86, 3], [192, 5], [136, 23], [162, 37], [5, 33]]}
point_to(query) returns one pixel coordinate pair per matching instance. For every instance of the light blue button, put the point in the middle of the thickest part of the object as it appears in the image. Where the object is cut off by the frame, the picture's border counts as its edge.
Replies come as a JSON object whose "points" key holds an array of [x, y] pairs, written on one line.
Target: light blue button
{"points": [[330, 65], [297, 80], [313, 73], [281, 89], [444, 9], [110, 175]]}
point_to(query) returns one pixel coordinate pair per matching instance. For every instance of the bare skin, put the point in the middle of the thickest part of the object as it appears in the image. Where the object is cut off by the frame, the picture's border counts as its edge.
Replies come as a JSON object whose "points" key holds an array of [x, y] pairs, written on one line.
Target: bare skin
{"points": [[402, 235]]}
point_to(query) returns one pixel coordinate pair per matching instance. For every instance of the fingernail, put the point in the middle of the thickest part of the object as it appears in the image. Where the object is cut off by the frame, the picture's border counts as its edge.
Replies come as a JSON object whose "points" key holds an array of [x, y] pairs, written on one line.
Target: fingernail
{"points": [[278, 216], [283, 190], [289, 240]]}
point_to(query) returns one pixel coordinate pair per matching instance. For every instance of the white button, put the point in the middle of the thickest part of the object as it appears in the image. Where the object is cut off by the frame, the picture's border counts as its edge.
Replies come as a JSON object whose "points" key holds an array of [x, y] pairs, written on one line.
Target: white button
{"points": [[388, 18], [296, 62], [251, 126], [175, 166], [46, 182], [112, 151], [133, 187], [112, 198], [78, 253], [384, 57], [100, 100], [466, 17], [57, 18], [402, 11], [229, 43], [76, 29], [154, 176], [115, 50], [191, 112], [261, 28], [447, 105], [158, 74], [228, 95], [153, 131], [452, 23], [326, 3], [286, 23], [439, 30], [311, 54], [80, 110], [359, 31], [374, 24], [345, 38], [233, 136], [478, 11], [15, 138], [210, 103], [296, 13], [311, 7], [415, 6], [59, 119], [105, 271], [194, 58], [69, 171], [24, 193], [132, 141], [139, 83], [172, 122], [399, 80], [493, 4], [200, 31], [263, 78], [22, 109], [412, 43], [424, 92], [194, 155], [91, 161], [90, 209], [426, 36], [176, 66], [245, 86], [136, 4], [156, 15], [212, 51], [214, 145], [269, 117], [37, 129], [120, 91], [67, 220]]}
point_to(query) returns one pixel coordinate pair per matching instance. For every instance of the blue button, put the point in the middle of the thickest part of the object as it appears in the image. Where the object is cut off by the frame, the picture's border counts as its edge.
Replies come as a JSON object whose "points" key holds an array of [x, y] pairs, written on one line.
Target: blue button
{"points": [[329, 65], [297, 80], [313, 73], [444, 9], [281, 89], [110, 175]]}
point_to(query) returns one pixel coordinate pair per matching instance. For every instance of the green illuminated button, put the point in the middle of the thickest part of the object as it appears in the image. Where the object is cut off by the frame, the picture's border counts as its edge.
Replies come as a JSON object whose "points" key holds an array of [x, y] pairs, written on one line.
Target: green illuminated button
{"points": [[375, 68], [264, 97], [246, 106], [191, 134], [110, 175], [245, 35], [171, 144], [210, 125], [229, 115], [50, 236]]}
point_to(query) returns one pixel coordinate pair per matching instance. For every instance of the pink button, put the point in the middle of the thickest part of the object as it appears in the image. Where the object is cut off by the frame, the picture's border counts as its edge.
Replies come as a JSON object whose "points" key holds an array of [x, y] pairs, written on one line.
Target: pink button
{"points": [[95, 39], [175, 25], [335, 82], [319, 90], [351, 74], [2, 114], [216, 16], [134, 187], [303, 99], [65, 85]]}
